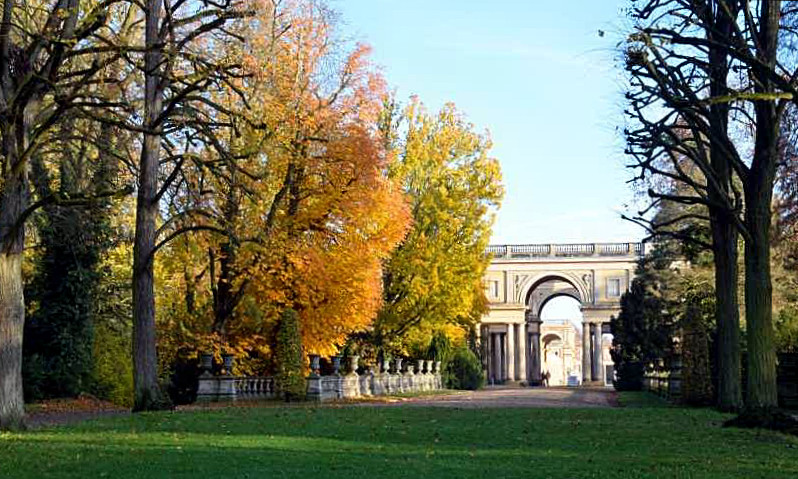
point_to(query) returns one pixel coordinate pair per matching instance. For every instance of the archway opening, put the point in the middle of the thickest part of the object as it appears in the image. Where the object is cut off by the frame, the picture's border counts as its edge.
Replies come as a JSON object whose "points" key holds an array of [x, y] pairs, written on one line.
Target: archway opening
{"points": [[561, 340]]}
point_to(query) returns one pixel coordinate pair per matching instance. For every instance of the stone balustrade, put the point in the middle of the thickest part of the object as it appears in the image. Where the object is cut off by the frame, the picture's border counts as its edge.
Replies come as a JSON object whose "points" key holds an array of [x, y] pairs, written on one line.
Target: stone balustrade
{"points": [[397, 377], [570, 250]]}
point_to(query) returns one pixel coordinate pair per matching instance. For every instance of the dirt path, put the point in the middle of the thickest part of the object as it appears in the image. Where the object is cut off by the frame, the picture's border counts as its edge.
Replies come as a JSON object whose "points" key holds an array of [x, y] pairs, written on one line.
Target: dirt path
{"points": [[520, 397]]}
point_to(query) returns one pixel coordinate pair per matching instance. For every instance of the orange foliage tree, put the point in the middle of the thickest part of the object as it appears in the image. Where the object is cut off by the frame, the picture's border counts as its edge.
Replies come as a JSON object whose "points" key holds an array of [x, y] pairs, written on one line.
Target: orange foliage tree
{"points": [[299, 199]]}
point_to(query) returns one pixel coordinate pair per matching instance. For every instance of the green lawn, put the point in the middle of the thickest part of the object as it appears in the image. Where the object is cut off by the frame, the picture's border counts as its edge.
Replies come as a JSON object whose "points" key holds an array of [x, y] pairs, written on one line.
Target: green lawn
{"points": [[355, 442]]}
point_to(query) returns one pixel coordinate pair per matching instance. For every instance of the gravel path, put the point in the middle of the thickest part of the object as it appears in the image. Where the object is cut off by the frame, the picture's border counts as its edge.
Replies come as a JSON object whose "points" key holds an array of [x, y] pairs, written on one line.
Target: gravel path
{"points": [[519, 397]]}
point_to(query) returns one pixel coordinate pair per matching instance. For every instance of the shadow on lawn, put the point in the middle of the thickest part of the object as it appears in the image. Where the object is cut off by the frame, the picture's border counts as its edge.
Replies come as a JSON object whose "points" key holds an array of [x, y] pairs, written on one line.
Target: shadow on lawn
{"points": [[399, 442]]}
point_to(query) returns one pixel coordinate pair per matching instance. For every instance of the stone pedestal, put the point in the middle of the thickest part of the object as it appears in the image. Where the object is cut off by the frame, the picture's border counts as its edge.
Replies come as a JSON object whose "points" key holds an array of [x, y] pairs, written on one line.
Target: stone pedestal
{"points": [[407, 383], [351, 386], [314, 388], [216, 388], [378, 384]]}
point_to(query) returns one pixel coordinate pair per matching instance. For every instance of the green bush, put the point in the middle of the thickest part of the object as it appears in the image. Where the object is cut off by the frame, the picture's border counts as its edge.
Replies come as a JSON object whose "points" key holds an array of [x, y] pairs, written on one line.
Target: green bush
{"points": [[113, 365], [463, 370], [290, 377], [629, 376]]}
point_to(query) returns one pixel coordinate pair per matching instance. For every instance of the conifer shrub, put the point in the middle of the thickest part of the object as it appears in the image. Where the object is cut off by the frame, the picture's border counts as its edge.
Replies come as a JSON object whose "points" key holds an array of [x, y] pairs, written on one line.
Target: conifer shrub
{"points": [[696, 371], [290, 374], [463, 370]]}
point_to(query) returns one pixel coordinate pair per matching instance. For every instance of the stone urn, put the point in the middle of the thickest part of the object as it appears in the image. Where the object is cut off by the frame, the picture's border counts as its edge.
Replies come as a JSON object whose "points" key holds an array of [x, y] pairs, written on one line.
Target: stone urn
{"points": [[398, 365], [227, 360], [353, 362], [429, 366], [386, 366], [206, 362], [336, 365], [315, 364], [438, 367], [420, 367]]}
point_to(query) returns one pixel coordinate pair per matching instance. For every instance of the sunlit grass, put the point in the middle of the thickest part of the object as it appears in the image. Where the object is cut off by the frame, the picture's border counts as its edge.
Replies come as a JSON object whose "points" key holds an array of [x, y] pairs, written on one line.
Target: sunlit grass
{"points": [[403, 442]]}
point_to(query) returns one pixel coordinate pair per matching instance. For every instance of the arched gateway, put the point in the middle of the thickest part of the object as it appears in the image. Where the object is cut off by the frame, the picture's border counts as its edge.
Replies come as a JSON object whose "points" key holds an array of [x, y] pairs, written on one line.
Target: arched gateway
{"points": [[519, 282]]}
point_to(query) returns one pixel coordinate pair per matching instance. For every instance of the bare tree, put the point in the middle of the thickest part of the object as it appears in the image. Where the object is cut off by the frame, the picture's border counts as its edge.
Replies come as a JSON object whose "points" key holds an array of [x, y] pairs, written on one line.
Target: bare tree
{"points": [[677, 136], [180, 68], [44, 73], [674, 60]]}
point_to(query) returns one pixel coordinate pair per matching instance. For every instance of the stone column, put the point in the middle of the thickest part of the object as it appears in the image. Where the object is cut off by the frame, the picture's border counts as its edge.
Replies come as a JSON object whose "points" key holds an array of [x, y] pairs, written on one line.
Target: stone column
{"points": [[534, 352], [510, 347], [497, 357], [521, 374], [596, 351], [599, 355], [586, 351]]}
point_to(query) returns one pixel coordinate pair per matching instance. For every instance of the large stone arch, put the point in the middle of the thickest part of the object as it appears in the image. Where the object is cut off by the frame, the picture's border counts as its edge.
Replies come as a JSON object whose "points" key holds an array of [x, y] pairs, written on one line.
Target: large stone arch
{"points": [[594, 274], [580, 281]]}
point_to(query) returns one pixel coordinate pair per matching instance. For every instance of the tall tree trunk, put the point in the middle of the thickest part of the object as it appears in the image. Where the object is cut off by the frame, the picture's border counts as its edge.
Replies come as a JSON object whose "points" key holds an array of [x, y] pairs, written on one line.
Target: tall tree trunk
{"points": [[724, 233], [762, 393], [147, 393], [727, 316], [12, 320], [13, 202]]}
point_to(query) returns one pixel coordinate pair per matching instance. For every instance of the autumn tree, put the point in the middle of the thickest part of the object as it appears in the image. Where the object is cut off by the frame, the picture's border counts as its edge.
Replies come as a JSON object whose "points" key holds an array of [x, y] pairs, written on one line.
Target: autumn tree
{"points": [[305, 215], [434, 278]]}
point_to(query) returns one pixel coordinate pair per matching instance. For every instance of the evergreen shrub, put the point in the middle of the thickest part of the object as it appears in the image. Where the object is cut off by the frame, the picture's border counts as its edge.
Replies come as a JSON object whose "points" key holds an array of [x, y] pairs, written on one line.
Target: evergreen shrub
{"points": [[290, 377], [463, 370]]}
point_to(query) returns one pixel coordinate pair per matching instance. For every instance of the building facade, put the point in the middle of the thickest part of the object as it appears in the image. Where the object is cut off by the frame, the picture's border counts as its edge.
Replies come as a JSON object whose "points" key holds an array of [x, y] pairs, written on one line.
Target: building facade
{"points": [[517, 346]]}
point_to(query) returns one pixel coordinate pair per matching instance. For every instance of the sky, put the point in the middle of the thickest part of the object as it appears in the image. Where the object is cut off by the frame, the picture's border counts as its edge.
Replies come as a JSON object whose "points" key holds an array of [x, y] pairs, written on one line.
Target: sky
{"points": [[540, 79]]}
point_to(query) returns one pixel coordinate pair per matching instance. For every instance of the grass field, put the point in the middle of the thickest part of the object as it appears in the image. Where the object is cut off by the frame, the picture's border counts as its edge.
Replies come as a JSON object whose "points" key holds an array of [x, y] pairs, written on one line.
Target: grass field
{"points": [[649, 440]]}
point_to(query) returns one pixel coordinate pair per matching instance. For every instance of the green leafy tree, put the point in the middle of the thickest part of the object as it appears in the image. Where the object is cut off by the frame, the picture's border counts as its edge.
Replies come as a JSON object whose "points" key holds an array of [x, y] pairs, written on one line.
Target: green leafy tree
{"points": [[433, 280]]}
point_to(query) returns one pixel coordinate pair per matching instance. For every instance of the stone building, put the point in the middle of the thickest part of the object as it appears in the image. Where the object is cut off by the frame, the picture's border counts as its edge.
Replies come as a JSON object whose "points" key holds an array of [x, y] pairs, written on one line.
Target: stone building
{"points": [[519, 282]]}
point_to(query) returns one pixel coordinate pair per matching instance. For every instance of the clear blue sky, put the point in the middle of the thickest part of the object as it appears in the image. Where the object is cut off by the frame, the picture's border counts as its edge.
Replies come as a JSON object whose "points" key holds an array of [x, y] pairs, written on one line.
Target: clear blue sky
{"points": [[539, 77]]}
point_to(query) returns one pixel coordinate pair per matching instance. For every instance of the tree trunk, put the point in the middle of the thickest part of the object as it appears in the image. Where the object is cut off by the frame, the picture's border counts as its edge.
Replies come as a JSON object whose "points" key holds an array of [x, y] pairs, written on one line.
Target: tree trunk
{"points": [[762, 392], [724, 233], [145, 378], [14, 200], [12, 320], [727, 316]]}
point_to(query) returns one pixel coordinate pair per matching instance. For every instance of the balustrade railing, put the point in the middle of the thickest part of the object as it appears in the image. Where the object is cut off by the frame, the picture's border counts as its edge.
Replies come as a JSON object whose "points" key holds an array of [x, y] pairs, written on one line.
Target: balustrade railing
{"points": [[569, 250], [420, 375], [255, 387]]}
